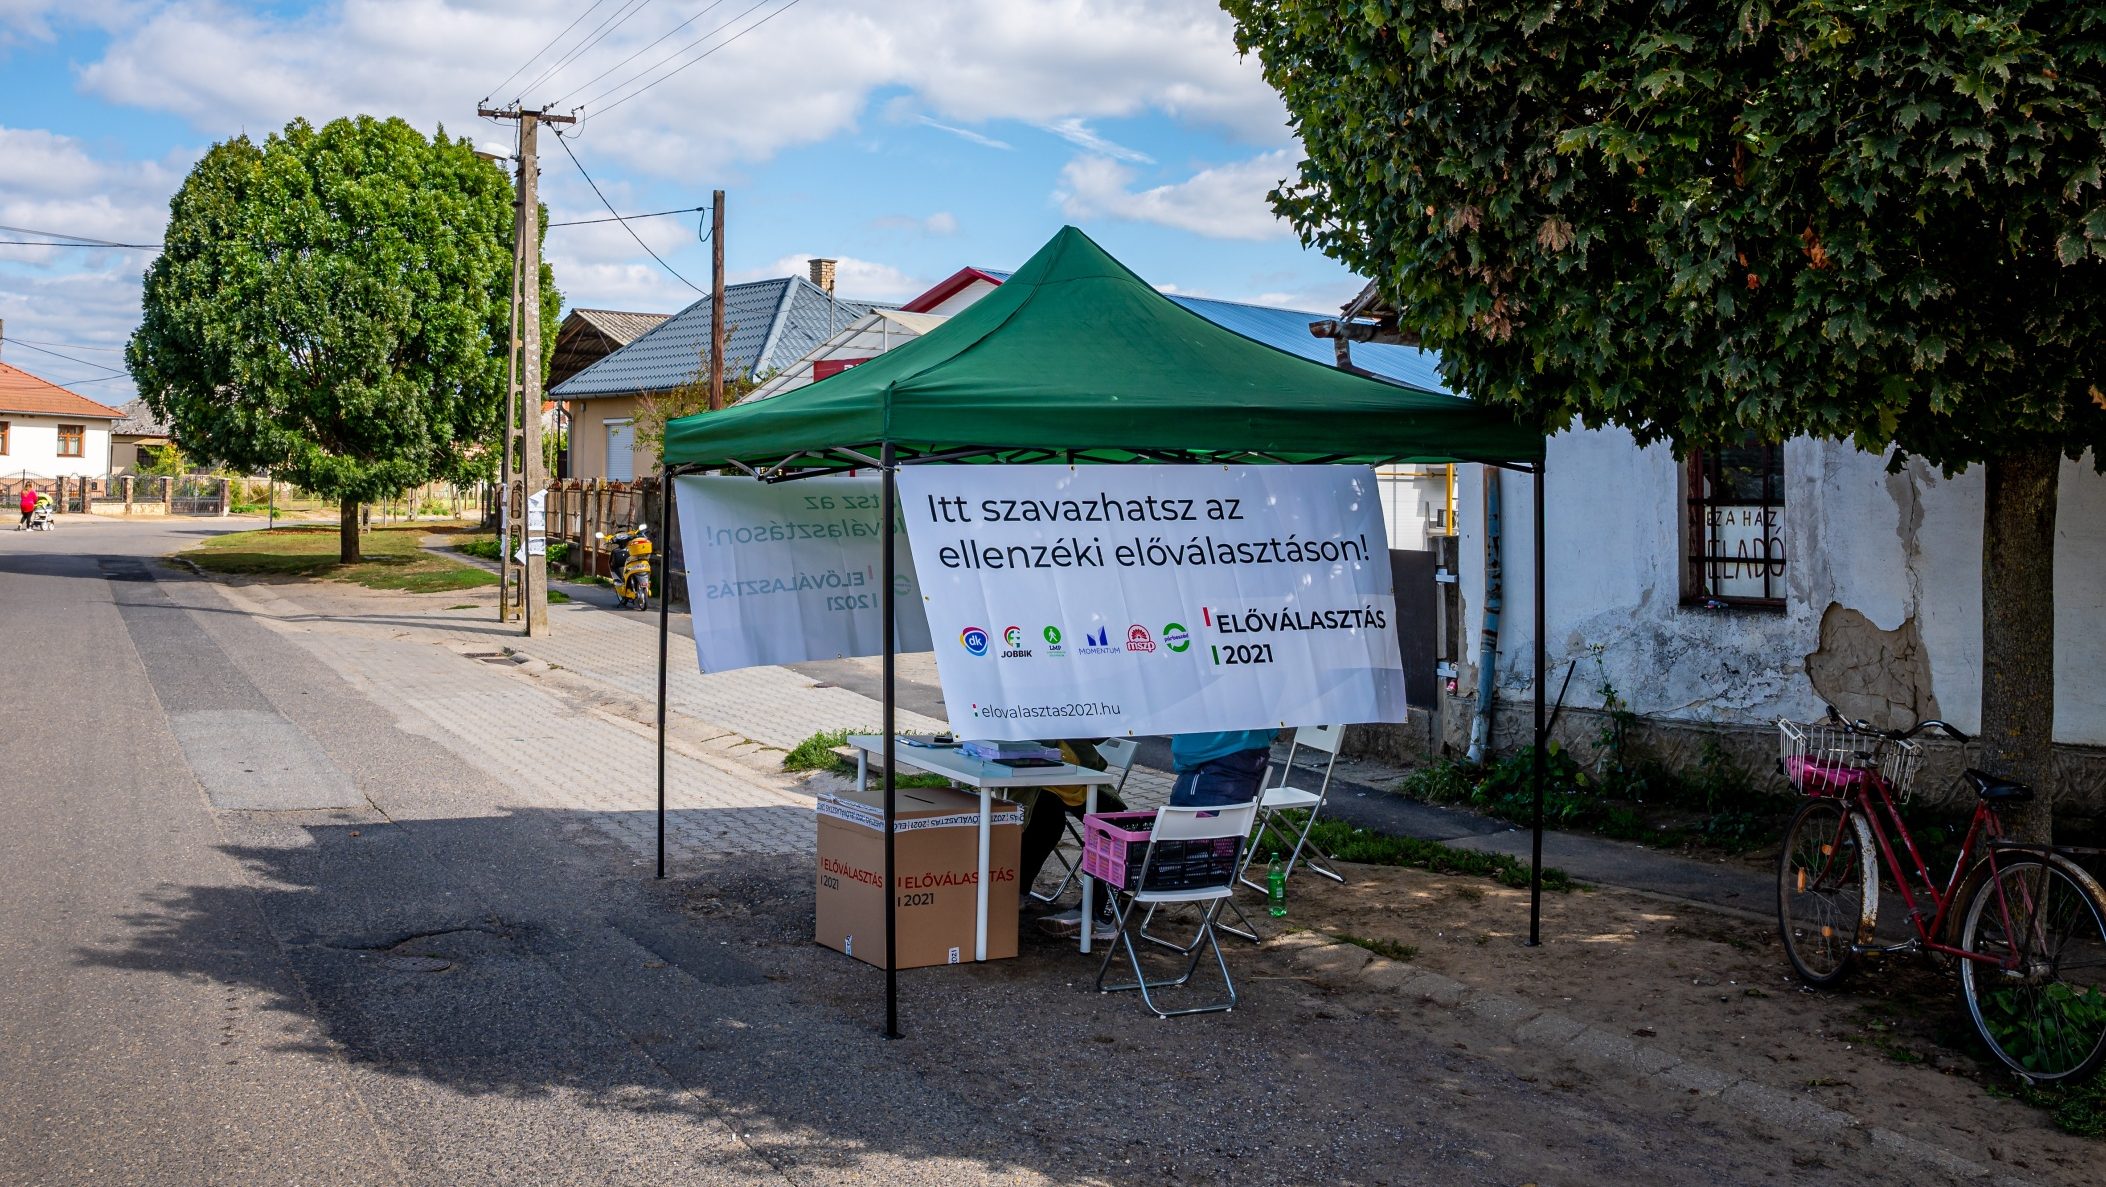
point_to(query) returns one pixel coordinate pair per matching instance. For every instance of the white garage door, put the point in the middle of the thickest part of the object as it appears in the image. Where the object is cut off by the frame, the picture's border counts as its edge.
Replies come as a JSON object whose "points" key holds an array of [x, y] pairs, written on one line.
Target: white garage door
{"points": [[621, 463]]}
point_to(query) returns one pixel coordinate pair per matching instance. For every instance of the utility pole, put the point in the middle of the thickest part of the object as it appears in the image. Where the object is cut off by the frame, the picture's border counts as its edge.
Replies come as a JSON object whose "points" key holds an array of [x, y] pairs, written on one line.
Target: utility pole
{"points": [[533, 477], [716, 300]]}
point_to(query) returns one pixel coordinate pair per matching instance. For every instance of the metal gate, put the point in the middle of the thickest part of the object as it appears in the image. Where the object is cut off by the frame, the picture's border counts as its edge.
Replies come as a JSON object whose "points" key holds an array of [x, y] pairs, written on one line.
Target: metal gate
{"points": [[195, 494]]}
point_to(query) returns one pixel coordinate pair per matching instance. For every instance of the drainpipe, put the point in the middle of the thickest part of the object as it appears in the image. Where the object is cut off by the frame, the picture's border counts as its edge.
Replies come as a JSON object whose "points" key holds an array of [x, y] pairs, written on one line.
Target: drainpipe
{"points": [[1494, 600]]}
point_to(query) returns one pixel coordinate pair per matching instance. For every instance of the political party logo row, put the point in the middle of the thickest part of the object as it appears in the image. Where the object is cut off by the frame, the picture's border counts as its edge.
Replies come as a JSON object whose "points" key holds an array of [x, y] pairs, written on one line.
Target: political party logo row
{"points": [[1175, 638]]}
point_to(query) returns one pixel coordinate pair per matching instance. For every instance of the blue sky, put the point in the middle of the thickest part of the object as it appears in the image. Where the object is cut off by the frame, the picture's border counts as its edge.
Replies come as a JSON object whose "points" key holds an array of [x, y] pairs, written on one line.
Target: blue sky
{"points": [[905, 140]]}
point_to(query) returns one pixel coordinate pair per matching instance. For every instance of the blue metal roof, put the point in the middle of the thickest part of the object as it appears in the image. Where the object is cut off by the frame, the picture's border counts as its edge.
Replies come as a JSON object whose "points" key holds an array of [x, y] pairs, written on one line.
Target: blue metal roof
{"points": [[768, 324], [1288, 330]]}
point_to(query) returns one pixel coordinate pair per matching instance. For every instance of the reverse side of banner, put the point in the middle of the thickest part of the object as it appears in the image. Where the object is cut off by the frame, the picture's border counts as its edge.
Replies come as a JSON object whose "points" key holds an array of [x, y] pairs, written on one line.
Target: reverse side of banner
{"points": [[788, 572], [1085, 601]]}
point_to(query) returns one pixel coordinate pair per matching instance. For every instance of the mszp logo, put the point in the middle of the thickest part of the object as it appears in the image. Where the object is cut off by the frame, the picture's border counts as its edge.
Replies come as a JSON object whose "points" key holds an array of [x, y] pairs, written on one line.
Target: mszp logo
{"points": [[1138, 638], [973, 639]]}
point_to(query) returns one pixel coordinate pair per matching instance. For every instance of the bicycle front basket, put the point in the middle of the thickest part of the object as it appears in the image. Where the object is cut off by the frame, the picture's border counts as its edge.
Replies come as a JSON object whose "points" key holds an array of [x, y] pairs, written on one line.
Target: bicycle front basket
{"points": [[1823, 758]]}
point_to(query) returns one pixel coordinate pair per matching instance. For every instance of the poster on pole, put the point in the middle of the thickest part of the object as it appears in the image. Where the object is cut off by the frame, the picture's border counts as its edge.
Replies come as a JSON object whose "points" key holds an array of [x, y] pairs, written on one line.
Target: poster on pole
{"points": [[787, 572], [1084, 601]]}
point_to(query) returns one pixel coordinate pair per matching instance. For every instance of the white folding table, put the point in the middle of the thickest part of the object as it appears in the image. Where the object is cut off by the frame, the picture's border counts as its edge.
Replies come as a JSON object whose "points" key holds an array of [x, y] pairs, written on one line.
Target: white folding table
{"points": [[988, 778]]}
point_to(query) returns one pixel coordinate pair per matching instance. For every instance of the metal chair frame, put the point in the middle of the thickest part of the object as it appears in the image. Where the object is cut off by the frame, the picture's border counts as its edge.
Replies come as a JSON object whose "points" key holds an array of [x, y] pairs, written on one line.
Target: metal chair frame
{"points": [[1325, 738], [1178, 824]]}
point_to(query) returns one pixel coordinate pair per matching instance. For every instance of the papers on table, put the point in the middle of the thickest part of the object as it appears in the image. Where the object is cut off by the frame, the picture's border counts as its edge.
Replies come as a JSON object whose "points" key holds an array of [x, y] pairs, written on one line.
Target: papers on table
{"points": [[1002, 751]]}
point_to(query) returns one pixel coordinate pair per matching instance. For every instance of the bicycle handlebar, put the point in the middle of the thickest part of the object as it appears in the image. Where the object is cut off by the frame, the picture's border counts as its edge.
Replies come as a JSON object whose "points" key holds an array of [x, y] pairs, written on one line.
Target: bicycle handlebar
{"points": [[1865, 727]]}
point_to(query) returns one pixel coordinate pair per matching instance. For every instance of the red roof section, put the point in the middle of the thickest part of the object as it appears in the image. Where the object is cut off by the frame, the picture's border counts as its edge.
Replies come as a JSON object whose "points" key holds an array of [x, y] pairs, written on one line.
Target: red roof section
{"points": [[21, 392], [947, 288]]}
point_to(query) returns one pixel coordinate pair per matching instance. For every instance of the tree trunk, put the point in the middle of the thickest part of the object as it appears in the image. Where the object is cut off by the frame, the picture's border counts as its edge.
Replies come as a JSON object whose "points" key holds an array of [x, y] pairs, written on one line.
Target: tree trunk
{"points": [[347, 532], [2018, 631]]}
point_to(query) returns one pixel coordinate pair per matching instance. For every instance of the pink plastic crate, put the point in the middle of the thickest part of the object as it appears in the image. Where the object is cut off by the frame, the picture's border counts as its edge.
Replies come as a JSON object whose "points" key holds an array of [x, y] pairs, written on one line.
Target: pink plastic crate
{"points": [[1115, 843]]}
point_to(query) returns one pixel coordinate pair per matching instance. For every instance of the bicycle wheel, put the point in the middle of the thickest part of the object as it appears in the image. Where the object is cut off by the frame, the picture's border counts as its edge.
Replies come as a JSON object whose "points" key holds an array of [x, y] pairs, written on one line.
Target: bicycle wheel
{"points": [[1827, 890], [2042, 1007]]}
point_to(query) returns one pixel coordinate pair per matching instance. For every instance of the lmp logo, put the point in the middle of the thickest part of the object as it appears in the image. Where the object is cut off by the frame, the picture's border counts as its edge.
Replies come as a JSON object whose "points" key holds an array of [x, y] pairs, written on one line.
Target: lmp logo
{"points": [[973, 639], [1054, 648], [1138, 639], [1176, 637]]}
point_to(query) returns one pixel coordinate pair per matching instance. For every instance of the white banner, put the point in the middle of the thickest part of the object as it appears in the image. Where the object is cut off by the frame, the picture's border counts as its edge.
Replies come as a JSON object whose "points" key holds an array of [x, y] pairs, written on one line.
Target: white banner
{"points": [[784, 573], [1083, 601]]}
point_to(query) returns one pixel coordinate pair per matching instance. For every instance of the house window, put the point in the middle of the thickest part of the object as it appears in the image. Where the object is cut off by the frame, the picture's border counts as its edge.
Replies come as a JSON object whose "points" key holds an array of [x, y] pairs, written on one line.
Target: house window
{"points": [[71, 439], [1736, 525], [3, 436], [621, 451]]}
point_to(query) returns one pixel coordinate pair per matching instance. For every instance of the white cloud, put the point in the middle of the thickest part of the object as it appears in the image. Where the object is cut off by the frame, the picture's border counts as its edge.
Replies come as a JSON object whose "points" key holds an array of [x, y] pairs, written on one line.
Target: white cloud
{"points": [[968, 134], [1227, 202], [1079, 134], [800, 79], [943, 222]]}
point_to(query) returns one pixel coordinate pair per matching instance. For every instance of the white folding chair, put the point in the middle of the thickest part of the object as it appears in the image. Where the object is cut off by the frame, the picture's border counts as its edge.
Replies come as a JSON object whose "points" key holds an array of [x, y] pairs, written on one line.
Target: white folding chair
{"points": [[1285, 797], [1129, 909], [1118, 755]]}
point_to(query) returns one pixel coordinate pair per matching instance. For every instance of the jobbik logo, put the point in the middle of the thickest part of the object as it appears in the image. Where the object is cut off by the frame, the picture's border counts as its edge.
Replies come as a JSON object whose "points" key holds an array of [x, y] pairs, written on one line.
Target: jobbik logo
{"points": [[1013, 640], [974, 640]]}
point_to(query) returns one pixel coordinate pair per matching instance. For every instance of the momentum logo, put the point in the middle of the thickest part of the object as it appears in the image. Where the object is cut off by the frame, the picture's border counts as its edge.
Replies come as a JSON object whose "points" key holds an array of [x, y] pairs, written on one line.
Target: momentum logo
{"points": [[973, 639], [1097, 642]]}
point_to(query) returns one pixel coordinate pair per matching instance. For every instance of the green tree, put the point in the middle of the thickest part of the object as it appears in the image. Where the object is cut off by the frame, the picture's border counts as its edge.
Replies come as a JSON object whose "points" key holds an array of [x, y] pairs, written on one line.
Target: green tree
{"points": [[333, 306], [1708, 219]]}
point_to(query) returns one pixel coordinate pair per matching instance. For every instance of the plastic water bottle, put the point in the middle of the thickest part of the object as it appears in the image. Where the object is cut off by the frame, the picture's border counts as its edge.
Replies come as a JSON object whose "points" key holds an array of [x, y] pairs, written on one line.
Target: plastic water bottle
{"points": [[1276, 888]]}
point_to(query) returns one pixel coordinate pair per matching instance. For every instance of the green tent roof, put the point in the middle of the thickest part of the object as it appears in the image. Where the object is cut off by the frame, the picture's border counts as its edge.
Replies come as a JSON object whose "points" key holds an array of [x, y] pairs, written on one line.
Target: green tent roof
{"points": [[1075, 355]]}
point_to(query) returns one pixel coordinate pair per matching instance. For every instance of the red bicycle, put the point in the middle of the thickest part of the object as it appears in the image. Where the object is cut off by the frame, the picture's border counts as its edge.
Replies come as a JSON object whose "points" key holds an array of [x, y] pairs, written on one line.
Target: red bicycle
{"points": [[2025, 924]]}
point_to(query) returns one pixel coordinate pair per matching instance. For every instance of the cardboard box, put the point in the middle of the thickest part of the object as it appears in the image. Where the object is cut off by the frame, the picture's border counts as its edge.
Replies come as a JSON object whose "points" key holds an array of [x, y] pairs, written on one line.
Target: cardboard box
{"points": [[936, 856]]}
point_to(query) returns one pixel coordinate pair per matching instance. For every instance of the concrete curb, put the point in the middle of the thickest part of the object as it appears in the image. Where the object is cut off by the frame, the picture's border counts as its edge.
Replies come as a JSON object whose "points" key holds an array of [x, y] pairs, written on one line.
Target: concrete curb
{"points": [[1336, 964]]}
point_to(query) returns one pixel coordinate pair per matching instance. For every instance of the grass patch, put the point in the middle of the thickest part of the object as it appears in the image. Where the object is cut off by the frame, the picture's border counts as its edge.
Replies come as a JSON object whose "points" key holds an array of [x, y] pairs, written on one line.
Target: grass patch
{"points": [[463, 606], [483, 546], [1380, 947], [816, 753], [1346, 843], [392, 558], [2079, 1109]]}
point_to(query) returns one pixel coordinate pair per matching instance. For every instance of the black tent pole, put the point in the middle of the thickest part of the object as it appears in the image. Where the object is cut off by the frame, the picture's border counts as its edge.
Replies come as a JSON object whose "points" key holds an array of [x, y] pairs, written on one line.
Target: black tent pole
{"points": [[1535, 858], [665, 630], [889, 510]]}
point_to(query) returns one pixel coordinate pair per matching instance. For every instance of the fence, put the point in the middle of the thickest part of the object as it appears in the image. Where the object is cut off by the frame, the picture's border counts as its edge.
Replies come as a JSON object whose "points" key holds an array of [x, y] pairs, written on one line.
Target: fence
{"points": [[579, 510], [129, 494]]}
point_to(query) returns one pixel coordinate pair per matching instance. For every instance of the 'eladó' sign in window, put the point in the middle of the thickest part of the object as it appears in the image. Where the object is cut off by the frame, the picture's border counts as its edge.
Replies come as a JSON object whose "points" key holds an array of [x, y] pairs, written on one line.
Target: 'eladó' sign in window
{"points": [[1736, 526]]}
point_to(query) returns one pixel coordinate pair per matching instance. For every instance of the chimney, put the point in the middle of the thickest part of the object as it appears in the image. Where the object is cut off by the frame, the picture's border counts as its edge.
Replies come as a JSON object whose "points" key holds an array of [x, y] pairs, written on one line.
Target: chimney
{"points": [[823, 275]]}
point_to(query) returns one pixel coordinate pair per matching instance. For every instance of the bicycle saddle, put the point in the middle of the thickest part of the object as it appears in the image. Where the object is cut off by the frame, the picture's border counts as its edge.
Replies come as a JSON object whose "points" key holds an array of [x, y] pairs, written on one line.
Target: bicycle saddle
{"points": [[1991, 787]]}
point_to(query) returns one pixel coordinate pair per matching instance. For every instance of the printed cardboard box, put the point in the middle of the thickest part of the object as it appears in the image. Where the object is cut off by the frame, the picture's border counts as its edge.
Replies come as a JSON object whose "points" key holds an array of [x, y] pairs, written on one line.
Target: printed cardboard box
{"points": [[936, 864]]}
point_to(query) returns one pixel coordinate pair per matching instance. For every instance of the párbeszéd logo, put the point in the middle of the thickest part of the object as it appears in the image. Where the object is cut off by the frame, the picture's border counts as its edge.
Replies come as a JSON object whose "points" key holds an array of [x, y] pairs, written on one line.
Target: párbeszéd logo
{"points": [[1176, 637], [973, 639]]}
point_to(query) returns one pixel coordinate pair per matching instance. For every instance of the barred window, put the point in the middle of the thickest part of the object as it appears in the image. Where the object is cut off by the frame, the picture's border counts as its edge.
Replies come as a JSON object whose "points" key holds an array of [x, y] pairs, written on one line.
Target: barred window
{"points": [[1736, 526]]}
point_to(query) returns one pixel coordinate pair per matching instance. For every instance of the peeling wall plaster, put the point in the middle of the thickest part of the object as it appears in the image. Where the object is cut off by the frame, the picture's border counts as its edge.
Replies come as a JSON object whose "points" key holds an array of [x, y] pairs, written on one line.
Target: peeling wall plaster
{"points": [[1884, 588]]}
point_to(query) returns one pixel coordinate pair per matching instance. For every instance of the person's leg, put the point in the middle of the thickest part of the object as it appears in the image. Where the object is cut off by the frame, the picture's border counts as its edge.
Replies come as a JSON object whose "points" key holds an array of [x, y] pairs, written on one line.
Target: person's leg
{"points": [[1041, 836], [1232, 779]]}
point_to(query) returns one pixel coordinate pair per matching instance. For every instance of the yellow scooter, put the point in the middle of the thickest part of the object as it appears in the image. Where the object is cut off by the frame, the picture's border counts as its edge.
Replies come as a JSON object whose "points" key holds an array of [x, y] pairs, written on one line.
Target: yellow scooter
{"points": [[632, 567]]}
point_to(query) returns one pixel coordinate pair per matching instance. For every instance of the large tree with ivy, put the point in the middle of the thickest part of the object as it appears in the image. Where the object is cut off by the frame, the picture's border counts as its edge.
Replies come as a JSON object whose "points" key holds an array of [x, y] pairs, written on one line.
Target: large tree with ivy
{"points": [[333, 306], [1709, 219]]}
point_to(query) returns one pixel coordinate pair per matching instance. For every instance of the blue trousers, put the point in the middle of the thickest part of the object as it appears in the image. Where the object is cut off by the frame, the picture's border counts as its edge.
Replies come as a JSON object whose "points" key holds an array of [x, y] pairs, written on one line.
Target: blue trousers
{"points": [[1222, 782]]}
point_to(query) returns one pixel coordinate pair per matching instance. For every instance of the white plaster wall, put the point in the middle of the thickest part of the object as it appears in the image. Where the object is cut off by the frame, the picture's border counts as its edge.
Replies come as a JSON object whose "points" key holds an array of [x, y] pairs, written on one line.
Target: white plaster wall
{"points": [[1891, 546], [32, 447]]}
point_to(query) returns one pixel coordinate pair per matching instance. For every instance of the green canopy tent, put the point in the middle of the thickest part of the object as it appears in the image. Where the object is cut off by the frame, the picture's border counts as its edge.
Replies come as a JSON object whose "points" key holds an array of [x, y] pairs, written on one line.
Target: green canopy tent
{"points": [[1075, 359]]}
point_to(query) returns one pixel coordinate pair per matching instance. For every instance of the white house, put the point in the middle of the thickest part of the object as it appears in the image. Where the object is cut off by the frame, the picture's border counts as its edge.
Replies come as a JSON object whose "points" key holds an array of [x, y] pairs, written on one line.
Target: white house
{"points": [[1717, 594], [49, 432]]}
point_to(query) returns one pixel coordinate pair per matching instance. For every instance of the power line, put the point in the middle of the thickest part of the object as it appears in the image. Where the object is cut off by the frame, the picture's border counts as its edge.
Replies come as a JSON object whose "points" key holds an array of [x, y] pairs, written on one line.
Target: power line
{"points": [[606, 28], [78, 240], [114, 371], [684, 65], [565, 142], [632, 57], [544, 49], [581, 222], [81, 345]]}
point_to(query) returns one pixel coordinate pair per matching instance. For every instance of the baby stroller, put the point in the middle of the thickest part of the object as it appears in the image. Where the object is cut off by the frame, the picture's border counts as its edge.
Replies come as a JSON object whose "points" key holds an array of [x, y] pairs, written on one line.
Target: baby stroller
{"points": [[42, 519]]}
